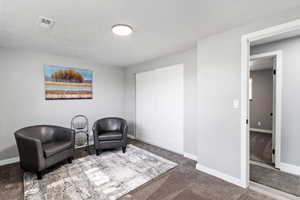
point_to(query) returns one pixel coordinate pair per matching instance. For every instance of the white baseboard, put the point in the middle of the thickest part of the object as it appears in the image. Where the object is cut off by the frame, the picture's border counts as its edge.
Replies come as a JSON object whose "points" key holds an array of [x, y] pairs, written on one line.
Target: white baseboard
{"points": [[261, 164], [9, 161], [292, 169], [190, 156], [91, 143], [261, 130], [131, 137], [220, 175]]}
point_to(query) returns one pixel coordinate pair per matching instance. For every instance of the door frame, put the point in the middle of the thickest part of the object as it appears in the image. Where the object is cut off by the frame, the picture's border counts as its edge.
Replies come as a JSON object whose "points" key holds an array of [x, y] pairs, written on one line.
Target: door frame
{"points": [[277, 101], [245, 71]]}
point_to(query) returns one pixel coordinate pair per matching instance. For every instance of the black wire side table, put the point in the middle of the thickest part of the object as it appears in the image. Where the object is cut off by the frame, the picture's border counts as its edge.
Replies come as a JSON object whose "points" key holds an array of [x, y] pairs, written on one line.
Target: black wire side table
{"points": [[80, 124]]}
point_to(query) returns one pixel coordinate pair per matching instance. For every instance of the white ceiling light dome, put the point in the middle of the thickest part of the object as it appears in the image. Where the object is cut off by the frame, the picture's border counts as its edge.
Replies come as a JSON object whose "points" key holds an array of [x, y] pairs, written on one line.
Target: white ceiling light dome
{"points": [[122, 29]]}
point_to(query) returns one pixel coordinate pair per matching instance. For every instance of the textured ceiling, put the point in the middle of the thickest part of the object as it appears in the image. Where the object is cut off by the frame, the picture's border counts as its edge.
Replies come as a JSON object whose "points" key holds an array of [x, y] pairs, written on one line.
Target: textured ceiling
{"points": [[83, 27]]}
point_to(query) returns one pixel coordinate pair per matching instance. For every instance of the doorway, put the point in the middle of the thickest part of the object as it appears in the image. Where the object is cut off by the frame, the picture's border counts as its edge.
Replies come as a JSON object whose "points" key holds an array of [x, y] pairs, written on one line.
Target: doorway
{"points": [[285, 168], [264, 93]]}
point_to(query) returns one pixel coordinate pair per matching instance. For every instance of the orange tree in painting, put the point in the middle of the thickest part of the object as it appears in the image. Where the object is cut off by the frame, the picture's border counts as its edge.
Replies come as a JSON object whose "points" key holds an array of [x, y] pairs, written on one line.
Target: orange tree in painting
{"points": [[67, 76]]}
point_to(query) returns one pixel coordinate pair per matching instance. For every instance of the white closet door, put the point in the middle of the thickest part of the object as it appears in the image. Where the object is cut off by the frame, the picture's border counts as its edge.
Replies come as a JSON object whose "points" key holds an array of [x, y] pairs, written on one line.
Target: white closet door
{"points": [[159, 107]]}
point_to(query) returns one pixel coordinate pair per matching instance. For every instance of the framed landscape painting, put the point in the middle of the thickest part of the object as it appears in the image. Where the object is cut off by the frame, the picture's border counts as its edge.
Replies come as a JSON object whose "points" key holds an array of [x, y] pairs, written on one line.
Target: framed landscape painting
{"points": [[67, 83]]}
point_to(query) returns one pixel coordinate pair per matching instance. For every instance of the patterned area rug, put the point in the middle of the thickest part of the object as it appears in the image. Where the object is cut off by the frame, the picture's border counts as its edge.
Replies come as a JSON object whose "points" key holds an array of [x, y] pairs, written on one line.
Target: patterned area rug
{"points": [[105, 177]]}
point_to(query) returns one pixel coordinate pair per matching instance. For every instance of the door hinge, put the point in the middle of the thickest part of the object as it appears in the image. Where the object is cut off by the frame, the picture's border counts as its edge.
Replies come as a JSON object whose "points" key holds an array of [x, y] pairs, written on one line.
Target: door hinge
{"points": [[273, 151], [274, 71], [247, 121]]}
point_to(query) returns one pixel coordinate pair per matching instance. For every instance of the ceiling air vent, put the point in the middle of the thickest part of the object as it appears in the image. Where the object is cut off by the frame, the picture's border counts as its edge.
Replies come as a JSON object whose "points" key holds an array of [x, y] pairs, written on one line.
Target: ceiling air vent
{"points": [[46, 22]]}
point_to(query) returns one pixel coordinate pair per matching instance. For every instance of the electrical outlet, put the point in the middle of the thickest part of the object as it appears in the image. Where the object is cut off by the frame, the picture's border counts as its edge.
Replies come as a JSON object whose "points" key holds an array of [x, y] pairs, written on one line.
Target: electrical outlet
{"points": [[259, 123]]}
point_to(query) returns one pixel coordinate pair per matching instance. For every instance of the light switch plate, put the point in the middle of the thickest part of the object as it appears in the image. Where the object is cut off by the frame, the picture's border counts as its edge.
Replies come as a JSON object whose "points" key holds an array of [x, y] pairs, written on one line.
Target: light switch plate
{"points": [[236, 103]]}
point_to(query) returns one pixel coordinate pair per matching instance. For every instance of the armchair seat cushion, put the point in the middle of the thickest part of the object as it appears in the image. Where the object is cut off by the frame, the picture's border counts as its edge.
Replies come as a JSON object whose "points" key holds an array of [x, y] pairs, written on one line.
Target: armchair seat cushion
{"points": [[107, 136], [53, 148]]}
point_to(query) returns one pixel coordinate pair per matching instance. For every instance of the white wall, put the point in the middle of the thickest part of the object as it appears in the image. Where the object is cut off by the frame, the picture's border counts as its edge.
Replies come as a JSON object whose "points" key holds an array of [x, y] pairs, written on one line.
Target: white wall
{"points": [[23, 103], [188, 58], [219, 83], [290, 137]]}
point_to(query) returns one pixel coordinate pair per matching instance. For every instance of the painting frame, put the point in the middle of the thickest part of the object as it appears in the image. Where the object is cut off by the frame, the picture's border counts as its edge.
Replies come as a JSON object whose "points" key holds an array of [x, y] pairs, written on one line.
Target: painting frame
{"points": [[67, 83]]}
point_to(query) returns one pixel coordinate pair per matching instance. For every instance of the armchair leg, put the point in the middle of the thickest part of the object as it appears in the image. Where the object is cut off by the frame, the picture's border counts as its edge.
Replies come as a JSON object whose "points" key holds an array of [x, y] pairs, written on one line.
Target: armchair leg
{"points": [[98, 151], [70, 160], [124, 149], [40, 175]]}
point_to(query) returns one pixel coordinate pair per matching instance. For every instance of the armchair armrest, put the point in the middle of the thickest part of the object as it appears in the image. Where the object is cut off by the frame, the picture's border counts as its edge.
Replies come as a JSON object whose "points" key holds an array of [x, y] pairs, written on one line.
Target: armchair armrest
{"points": [[95, 134], [30, 152], [125, 130]]}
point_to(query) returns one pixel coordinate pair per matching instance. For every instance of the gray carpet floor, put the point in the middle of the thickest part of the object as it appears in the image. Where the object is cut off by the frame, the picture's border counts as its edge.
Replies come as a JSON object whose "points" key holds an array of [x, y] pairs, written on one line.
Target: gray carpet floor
{"points": [[276, 179], [182, 183], [261, 147], [261, 151]]}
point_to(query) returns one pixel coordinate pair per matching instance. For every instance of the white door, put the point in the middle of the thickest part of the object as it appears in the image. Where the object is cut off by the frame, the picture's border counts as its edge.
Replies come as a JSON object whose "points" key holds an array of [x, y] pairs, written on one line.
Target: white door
{"points": [[159, 107]]}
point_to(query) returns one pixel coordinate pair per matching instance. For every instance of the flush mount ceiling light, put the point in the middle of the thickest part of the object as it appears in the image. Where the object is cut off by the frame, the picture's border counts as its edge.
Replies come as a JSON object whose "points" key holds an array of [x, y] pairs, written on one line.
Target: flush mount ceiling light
{"points": [[122, 29]]}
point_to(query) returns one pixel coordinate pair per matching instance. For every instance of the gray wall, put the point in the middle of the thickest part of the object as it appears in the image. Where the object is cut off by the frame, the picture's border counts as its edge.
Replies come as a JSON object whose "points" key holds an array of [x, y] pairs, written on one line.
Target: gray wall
{"points": [[261, 106], [188, 58], [290, 137], [23, 101], [219, 82]]}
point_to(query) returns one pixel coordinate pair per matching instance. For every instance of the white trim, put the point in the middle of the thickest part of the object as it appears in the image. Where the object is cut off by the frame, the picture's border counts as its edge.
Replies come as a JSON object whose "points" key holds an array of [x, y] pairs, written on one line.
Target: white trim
{"points": [[91, 143], [9, 161], [278, 108], [190, 156], [220, 175], [271, 192], [261, 130], [245, 55], [274, 30], [244, 112], [261, 164], [131, 137], [292, 169], [265, 55]]}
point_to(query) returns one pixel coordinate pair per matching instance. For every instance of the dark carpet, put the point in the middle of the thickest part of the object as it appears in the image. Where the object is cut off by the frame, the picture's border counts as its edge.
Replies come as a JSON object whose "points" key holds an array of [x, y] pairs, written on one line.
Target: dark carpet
{"points": [[261, 147], [182, 183], [276, 179], [261, 151]]}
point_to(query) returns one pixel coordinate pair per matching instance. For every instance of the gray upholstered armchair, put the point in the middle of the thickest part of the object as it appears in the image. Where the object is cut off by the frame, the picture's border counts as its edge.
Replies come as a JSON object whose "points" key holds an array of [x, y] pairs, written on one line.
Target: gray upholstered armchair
{"points": [[110, 133], [43, 146]]}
